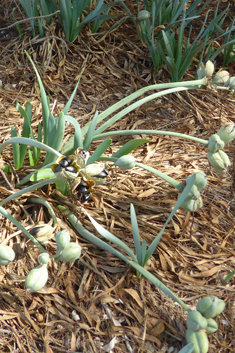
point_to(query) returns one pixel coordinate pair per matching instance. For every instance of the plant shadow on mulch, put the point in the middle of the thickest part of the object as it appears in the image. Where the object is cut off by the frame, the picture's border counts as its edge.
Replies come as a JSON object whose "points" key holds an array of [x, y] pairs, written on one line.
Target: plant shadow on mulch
{"points": [[86, 304]]}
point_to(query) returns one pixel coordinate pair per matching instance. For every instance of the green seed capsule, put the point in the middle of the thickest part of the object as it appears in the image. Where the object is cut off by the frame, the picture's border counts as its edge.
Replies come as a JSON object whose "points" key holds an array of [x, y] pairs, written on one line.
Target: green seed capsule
{"points": [[227, 132], [71, 253], [36, 278], [195, 321], [62, 239], [215, 143], [211, 326], [125, 162], [143, 15], [6, 255], [199, 340], [210, 307], [44, 258], [220, 161]]}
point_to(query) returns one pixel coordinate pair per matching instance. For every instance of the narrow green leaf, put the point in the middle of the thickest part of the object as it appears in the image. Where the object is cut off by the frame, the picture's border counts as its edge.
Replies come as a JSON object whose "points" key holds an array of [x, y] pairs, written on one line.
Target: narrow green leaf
{"points": [[99, 151], [15, 149], [44, 173], [77, 140], [229, 276], [90, 132], [181, 198], [68, 104], [58, 138], [129, 146], [109, 236], [45, 106], [136, 235]]}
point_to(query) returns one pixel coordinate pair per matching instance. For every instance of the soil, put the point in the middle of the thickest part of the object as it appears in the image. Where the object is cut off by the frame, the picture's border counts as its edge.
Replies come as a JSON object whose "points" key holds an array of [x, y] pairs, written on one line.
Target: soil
{"points": [[98, 300]]}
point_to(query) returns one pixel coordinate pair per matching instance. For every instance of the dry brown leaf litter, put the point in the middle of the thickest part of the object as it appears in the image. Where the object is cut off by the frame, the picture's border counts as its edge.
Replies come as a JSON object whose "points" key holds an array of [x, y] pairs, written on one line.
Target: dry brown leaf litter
{"points": [[84, 304]]}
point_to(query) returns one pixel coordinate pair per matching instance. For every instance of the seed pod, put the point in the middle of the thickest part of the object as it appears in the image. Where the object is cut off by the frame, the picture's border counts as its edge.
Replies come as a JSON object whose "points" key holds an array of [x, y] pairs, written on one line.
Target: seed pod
{"points": [[36, 278], [195, 321], [215, 143], [143, 15], [125, 162], [6, 255], [199, 340], [206, 69], [200, 180], [231, 83], [192, 205], [193, 194], [210, 307], [211, 326], [65, 162], [81, 157], [220, 161], [221, 78], [227, 132], [92, 172], [44, 258], [71, 253], [43, 232], [62, 239]]}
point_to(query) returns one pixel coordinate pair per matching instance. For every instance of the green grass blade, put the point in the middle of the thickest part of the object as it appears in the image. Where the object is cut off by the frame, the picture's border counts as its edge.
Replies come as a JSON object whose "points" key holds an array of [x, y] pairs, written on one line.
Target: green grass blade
{"points": [[155, 242], [229, 276], [45, 105], [136, 235]]}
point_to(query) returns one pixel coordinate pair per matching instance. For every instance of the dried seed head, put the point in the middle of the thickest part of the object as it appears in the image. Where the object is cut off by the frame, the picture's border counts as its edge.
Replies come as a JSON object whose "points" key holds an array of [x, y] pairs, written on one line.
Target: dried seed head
{"points": [[43, 232], [227, 132], [221, 78]]}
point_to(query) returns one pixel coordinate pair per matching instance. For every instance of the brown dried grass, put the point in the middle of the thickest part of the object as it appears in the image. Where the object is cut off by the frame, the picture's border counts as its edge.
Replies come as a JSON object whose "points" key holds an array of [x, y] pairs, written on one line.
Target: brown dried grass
{"points": [[196, 252]]}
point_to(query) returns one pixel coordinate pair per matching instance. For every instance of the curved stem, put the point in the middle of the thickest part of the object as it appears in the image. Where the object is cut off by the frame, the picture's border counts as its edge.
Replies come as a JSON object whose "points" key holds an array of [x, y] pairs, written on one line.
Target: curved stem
{"points": [[28, 189], [95, 240], [24, 231], [165, 177], [30, 142], [189, 84], [150, 132], [46, 204]]}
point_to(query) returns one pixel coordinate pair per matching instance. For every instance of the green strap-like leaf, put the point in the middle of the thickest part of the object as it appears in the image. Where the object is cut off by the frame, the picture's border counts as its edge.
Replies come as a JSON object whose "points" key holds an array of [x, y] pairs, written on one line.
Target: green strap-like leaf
{"points": [[99, 151], [181, 198], [136, 234], [109, 236], [90, 133], [129, 146]]}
